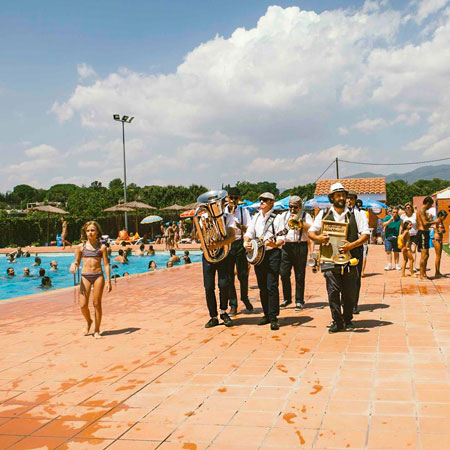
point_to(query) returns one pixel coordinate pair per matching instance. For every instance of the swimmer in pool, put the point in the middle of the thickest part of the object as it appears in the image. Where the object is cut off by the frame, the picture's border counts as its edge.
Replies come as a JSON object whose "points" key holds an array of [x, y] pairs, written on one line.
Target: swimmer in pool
{"points": [[92, 252]]}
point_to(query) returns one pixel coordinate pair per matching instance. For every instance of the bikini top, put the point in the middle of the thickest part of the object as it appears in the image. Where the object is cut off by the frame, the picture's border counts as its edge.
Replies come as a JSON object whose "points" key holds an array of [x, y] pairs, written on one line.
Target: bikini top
{"points": [[87, 253]]}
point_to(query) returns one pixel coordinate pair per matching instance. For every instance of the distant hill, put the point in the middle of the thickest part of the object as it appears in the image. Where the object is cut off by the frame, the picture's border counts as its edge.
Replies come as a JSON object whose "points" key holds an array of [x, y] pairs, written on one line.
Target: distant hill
{"points": [[422, 173]]}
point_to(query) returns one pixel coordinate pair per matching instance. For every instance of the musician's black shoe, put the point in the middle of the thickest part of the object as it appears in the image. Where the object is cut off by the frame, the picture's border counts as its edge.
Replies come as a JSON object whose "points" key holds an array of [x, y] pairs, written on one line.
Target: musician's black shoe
{"points": [[335, 328], [226, 320], [248, 305], [264, 321], [299, 306], [274, 325], [233, 311], [350, 326], [285, 303], [355, 310], [213, 322]]}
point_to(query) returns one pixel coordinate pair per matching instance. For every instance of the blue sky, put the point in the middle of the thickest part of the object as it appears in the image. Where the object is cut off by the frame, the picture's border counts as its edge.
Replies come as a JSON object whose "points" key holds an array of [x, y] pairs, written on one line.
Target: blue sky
{"points": [[358, 80]]}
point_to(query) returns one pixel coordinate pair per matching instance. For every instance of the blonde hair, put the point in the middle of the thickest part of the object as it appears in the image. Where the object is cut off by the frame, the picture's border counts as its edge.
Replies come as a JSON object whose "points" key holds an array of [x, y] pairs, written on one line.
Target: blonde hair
{"points": [[85, 227]]}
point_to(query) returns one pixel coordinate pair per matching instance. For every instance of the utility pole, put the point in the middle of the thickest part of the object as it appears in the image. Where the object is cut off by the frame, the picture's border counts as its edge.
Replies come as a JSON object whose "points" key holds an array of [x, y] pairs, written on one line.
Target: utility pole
{"points": [[337, 168]]}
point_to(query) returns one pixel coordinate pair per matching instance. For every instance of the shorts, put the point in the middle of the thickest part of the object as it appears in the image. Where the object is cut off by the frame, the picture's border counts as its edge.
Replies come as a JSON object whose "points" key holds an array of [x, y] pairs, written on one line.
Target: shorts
{"points": [[391, 245], [414, 239], [424, 240]]}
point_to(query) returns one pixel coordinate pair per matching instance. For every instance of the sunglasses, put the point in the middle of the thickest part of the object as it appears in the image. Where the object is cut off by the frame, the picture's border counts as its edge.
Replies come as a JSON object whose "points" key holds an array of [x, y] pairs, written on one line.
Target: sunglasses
{"points": [[293, 207], [265, 200]]}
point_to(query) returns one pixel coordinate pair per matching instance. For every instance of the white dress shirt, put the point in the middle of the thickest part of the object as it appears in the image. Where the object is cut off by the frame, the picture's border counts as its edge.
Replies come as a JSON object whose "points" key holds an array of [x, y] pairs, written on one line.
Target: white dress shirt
{"points": [[294, 235], [257, 224], [360, 217], [242, 217]]}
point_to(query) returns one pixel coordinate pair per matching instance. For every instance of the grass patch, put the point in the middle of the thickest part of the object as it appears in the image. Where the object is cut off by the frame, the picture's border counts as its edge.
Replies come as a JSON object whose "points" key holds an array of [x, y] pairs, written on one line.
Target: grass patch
{"points": [[446, 248]]}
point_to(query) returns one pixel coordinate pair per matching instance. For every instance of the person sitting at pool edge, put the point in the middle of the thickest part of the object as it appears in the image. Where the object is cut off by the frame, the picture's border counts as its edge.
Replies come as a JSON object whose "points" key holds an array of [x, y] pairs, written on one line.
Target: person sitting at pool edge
{"points": [[10, 272], [186, 258], [121, 258]]}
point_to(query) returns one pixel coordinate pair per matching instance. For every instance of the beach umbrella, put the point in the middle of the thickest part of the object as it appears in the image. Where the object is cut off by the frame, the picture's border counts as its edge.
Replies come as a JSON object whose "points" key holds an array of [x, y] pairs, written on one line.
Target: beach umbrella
{"points": [[373, 204], [128, 207], [151, 219], [189, 213], [279, 204], [321, 201], [49, 209], [175, 207]]}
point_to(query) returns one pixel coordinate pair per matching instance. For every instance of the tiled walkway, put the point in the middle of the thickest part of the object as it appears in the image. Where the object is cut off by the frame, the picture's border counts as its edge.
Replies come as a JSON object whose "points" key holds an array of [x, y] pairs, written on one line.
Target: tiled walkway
{"points": [[159, 379]]}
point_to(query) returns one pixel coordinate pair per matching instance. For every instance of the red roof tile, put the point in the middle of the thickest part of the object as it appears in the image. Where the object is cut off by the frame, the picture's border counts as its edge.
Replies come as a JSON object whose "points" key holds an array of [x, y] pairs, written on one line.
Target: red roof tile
{"points": [[360, 185]]}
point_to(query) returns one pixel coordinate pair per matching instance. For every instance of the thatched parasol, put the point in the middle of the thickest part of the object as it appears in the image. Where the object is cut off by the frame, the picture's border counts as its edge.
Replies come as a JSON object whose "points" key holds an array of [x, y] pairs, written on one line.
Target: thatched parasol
{"points": [[49, 209], [175, 207], [128, 207]]}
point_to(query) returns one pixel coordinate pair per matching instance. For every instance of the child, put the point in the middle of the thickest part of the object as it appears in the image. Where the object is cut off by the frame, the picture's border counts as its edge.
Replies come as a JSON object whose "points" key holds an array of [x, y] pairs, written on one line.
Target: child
{"points": [[405, 238]]}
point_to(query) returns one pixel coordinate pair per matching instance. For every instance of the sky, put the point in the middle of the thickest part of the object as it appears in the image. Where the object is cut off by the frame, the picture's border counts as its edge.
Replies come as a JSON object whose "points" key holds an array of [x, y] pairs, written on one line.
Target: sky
{"points": [[220, 91]]}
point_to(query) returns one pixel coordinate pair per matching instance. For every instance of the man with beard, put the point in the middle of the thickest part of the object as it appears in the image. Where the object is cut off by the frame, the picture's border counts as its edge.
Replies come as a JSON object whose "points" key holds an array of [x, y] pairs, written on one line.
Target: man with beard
{"points": [[341, 279]]}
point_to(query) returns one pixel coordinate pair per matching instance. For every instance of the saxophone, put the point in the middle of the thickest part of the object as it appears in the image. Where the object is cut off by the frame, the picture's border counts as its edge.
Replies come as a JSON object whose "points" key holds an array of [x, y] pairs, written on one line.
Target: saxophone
{"points": [[210, 224]]}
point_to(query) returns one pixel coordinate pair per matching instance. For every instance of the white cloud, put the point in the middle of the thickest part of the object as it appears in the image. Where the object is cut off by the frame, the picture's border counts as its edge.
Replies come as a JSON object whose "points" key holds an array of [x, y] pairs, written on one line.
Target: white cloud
{"points": [[85, 71], [43, 151], [257, 100], [426, 8]]}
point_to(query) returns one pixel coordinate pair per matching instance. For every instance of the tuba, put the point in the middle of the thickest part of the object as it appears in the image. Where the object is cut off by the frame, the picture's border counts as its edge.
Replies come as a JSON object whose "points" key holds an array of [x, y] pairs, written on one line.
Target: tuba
{"points": [[210, 223]]}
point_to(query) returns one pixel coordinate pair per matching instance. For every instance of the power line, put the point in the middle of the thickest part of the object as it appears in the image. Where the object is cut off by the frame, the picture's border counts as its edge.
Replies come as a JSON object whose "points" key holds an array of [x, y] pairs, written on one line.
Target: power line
{"points": [[390, 164], [320, 176]]}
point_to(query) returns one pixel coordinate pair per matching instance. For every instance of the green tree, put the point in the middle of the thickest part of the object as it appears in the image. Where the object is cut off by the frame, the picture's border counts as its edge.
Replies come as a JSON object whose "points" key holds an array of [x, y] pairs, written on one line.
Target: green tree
{"points": [[23, 194], [61, 192], [306, 191], [116, 183], [89, 202]]}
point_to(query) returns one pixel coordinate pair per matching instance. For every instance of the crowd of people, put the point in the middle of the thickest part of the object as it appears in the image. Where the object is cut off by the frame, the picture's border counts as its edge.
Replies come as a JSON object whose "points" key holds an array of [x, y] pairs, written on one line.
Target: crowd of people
{"points": [[286, 248], [413, 233]]}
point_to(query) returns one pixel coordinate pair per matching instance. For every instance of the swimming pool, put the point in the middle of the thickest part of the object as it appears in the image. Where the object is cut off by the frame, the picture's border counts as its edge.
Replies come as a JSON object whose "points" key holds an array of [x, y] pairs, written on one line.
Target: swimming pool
{"points": [[20, 285]]}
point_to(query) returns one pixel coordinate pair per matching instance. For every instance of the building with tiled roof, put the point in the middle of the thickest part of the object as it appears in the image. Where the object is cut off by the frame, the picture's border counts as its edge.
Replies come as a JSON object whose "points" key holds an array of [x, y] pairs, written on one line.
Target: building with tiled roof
{"points": [[373, 188]]}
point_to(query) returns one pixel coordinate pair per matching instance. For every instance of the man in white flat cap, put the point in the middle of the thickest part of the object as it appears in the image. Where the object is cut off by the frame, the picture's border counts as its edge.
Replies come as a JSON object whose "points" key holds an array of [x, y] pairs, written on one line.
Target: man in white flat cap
{"points": [[267, 226], [294, 252], [341, 279]]}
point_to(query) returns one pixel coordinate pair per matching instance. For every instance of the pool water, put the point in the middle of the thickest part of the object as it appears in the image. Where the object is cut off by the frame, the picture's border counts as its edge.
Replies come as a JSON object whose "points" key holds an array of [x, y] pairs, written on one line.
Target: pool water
{"points": [[20, 285]]}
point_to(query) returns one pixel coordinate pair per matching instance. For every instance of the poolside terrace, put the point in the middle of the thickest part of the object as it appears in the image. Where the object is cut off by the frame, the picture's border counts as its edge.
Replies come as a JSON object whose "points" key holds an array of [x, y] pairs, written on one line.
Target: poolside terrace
{"points": [[159, 379]]}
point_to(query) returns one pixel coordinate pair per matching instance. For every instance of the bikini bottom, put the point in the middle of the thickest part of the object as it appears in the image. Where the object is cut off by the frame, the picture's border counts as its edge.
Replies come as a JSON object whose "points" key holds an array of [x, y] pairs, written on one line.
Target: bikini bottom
{"points": [[91, 277]]}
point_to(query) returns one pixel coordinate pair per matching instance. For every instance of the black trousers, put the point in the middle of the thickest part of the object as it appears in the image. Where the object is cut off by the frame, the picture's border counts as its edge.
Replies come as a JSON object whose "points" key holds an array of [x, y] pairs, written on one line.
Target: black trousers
{"points": [[294, 255], [341, 290], [358, 253], [238, 259], [267, 274], [209, 282]]}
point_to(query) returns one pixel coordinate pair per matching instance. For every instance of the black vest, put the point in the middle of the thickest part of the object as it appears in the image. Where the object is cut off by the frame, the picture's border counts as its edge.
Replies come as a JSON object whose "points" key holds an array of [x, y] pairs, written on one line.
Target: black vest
{"points": [[352, 232]]}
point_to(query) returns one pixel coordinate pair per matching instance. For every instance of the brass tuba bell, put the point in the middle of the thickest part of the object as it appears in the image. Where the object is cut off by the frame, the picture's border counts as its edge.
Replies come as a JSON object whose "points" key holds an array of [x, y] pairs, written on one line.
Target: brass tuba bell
{"points": [[210, 223]]}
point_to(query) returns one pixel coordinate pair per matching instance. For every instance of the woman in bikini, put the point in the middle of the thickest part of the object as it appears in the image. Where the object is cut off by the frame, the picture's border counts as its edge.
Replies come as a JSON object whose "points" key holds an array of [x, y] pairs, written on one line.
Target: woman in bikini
{"points": [[437, 243], [92, 252]]}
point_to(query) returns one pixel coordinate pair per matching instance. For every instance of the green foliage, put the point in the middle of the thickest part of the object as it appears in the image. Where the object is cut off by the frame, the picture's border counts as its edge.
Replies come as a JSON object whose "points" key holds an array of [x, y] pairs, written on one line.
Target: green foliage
{"points": [[302, 191], [23, 194], [251, 191], [61, 192], [89, 201], [399, 192]]}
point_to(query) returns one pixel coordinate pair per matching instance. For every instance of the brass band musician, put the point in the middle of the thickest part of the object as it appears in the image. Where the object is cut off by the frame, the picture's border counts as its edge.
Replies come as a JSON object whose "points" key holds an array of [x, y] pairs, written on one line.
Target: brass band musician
{"points": [[237, 252], [341, 279], [294, 252]]}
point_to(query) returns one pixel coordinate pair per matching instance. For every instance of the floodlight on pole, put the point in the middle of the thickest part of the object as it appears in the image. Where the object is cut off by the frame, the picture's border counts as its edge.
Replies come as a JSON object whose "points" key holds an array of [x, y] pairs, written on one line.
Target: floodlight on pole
{"points": [[124, 119]]}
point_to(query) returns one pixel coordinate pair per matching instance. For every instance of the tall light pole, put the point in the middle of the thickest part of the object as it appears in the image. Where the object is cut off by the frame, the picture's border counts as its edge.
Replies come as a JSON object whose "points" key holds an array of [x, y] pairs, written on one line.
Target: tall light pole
{"points": [[124, 120]]}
